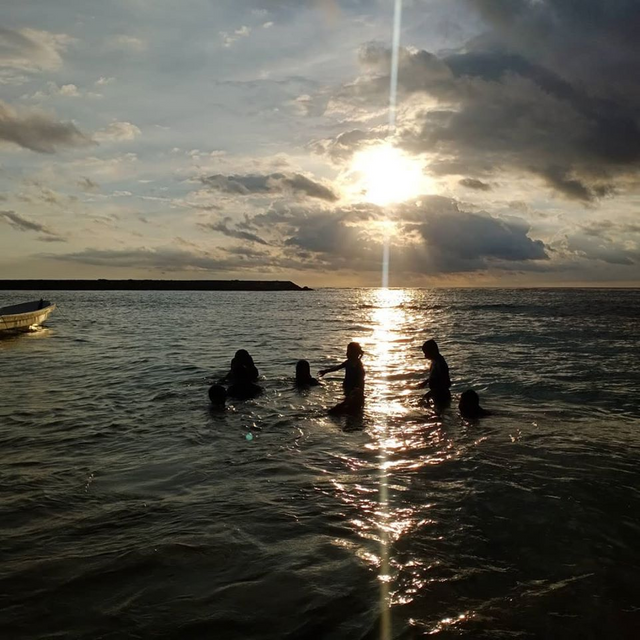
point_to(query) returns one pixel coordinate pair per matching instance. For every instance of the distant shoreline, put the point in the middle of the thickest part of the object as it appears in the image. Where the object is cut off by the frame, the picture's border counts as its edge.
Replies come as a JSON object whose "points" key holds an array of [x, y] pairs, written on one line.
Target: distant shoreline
{"points": [[150, 285]]}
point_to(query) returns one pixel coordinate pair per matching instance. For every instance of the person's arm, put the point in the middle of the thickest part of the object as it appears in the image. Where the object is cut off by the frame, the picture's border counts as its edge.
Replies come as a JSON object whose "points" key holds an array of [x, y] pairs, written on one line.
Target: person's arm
{"points": [[323, 372]]}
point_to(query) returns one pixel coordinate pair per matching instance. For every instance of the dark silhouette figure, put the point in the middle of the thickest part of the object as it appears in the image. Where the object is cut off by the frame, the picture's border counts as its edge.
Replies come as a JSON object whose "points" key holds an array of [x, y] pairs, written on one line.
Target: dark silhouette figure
{"points": [[469, 406], [242, 376], [303, 375], [217, 396], [244, 390], [354, 372], [352, 405], [242, 368], [438, 379]]}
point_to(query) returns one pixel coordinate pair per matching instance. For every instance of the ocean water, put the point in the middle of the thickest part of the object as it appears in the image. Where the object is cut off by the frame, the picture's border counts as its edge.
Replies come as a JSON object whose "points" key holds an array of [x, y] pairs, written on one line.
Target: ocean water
{"points": [[129, 510]]}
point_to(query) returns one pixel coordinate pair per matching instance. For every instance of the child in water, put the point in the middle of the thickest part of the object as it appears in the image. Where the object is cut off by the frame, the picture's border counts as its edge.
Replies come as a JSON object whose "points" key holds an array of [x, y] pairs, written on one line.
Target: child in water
{"points": [[217, 396], [303, 375], [469, 406], [354, 372], [438, 379]]}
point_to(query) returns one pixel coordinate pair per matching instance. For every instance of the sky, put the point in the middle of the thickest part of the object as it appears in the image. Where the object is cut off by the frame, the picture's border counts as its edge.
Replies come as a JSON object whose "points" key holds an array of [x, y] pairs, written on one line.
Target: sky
{"points": [[250, 139]]}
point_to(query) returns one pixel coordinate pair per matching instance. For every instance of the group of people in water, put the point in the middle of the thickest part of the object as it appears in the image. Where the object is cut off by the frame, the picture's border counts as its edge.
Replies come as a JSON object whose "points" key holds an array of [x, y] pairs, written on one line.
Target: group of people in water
{"points": [[243, 375]]}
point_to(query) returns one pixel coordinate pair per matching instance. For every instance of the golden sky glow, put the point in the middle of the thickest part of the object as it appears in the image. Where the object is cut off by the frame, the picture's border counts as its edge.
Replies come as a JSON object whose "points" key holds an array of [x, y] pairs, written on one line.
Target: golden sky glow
{"points": [[385, 175]]}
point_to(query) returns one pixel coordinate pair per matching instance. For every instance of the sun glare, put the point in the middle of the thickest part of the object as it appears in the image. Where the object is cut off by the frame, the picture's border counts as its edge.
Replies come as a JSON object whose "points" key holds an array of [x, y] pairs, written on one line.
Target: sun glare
{"points": [[386, 175]]}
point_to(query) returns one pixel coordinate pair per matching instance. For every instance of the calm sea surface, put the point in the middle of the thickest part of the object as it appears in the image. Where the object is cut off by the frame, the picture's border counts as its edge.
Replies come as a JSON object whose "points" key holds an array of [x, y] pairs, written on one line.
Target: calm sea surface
{"points": [[129, 510]]}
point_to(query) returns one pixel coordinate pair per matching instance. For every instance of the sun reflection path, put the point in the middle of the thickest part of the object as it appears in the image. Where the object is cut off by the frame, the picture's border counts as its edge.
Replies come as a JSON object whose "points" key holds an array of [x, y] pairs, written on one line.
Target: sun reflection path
{"points": [[388, 315]]}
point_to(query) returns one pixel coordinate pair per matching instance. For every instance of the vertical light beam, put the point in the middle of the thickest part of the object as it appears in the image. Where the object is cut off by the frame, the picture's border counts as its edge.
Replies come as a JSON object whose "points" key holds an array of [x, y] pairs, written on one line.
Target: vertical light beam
{"points": [[385, 574], [393, 100], [395, 55]]}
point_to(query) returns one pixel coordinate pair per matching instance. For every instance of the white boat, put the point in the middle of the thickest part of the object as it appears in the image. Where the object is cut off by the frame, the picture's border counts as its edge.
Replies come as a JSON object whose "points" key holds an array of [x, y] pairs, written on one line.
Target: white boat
{"points": [[26, 316]]}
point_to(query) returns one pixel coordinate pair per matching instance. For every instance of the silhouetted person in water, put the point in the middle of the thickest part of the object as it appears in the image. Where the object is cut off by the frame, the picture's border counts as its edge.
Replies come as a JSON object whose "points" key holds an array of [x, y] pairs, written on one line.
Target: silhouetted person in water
{"points": [[469, 406], [303, 375], [352, 405], [438, 379], [217, 396], [243, 375], [242, 367], [354, 372]]}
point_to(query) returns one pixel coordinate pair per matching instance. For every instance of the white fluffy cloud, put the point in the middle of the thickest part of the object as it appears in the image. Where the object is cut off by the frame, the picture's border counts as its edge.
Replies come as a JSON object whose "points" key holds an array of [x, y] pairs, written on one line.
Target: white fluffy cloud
{"points": [[117, 132]]}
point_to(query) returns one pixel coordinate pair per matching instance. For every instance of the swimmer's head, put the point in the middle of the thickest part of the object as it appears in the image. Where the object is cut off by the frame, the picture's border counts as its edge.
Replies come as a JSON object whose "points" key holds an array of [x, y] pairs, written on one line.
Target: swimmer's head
{"points": [[469, 405], [469, 399], [430, 349], [217, 395], [303, 370], [354, 351], [243, 356]]}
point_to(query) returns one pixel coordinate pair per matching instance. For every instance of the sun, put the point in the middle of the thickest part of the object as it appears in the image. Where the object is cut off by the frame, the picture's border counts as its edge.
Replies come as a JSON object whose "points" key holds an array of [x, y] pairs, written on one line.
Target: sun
{"points": [[385, 175]]}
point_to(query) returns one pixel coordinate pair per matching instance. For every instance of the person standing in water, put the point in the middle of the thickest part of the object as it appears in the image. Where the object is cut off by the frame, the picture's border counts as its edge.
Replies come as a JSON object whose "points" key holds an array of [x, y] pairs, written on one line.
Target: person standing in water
{"points": [[354, 372], [438, 379]]}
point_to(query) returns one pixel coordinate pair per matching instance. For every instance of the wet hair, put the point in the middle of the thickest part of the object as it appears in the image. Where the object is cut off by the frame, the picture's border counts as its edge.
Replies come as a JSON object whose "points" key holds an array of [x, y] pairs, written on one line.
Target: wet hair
{"points": [[303, 370], [469, 405], [217, 394], [430, 348], [354, 349], [470, 398], [243, 356], [243, 367]]}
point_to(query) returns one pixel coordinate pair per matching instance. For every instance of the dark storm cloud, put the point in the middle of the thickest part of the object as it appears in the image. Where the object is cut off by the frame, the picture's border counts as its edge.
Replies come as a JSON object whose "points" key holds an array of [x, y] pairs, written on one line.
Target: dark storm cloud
{"points": [[270, 184], [552, 88], [465, 238], [22, 223], [437, 237], [38, 131]]}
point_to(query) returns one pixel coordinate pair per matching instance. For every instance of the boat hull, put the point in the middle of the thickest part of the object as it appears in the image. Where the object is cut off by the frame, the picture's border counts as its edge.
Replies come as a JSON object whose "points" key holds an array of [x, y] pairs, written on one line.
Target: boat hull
{"points": [[26, 321]]}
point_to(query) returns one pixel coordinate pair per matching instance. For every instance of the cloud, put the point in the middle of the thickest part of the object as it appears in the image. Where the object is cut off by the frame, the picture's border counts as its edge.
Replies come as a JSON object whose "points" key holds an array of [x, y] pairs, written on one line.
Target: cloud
{"points": [[22, 223], [88, 185], [223, 228], [435, 237], [52, 90], [123, 42], [473, 183], [462, 241], [229, 38], [117, 132], [38, 131], [270, 184], [184, 257], [532, 95], [32, 50]]}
